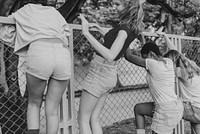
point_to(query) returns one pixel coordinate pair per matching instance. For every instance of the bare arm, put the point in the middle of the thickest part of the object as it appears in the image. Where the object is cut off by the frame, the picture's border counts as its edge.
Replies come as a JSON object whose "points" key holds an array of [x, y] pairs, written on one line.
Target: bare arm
{"points": [[137, 60], [109, 54], [170, 44], [102, 30]]}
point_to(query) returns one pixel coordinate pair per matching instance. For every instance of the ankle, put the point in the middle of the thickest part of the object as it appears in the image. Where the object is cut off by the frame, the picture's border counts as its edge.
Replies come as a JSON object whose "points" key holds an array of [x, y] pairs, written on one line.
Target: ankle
{"points": [[140, 131], [33, 131]]}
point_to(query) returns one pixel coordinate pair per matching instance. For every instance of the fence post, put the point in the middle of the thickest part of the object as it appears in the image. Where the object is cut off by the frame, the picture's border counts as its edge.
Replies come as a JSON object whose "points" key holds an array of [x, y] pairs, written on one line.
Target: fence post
{"points": [[67, 106]]}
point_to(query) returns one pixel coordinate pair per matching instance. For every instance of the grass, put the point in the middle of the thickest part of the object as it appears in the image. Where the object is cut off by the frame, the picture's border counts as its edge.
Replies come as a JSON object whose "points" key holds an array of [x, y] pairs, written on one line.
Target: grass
{"points": [[128, 127]]}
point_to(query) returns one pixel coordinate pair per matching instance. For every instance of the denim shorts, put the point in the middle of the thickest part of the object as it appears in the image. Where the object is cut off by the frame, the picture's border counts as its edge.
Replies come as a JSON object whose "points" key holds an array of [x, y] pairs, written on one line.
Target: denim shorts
{"points": [[192, 114], [166, 116], [48, 58], [101, 78]]}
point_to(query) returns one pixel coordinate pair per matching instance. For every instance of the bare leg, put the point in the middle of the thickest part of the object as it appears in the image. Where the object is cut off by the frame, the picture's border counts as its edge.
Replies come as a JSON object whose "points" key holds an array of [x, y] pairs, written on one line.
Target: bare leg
{"points": [[140, 111], [87, 104], [96, 128], [35, 88], [55, 91]]}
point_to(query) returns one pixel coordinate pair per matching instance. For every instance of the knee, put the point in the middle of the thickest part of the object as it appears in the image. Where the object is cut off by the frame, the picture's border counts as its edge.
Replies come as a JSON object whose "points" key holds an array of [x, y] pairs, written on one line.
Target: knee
{"points": [[94, 119], [35, 102], [83, 119], [137, 109], [51, 112]]}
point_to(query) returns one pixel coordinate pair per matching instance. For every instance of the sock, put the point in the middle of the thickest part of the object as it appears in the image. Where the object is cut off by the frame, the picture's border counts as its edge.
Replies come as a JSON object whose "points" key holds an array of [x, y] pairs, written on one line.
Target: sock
{"points": [[33, 131], [140, 131]]}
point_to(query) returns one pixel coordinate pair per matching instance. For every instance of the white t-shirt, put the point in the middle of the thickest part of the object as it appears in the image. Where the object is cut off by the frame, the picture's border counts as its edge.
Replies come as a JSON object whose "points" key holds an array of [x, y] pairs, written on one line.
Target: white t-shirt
{"points": [[36, 21], [161, 80], [191, 91]]}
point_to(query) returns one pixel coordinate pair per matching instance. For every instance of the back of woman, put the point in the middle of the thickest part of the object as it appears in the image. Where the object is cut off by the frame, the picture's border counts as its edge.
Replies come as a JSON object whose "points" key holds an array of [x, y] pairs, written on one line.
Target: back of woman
{"points": [[166, 109], [34, 21], [161, 80], [188, 73]]}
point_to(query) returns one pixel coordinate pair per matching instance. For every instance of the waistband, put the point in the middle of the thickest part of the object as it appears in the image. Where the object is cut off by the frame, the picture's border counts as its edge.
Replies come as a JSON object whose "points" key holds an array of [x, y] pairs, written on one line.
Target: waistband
{"points": [[103, 60], [178, 101], [57, 41]]}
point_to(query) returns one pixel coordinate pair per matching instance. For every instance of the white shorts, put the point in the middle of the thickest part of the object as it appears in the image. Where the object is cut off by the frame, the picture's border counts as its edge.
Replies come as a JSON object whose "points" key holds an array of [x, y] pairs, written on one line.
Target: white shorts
{"points": [[102, 77], [48, 58], [167, 116]]}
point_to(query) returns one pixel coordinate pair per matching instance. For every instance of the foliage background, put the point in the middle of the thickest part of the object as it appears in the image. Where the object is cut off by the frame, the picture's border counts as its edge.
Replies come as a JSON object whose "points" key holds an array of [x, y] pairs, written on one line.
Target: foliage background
{"points": [[188, 22], [156, 18]]}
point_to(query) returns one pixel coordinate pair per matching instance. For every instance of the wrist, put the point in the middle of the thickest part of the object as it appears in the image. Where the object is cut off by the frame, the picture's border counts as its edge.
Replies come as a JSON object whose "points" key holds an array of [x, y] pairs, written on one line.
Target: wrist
{"points": [[86, 33]]}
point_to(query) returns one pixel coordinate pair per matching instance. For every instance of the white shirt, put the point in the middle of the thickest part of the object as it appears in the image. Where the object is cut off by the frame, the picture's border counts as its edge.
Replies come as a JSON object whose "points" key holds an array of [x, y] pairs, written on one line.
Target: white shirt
{"points": [[191, 91], [161, 80], [36, 21]]}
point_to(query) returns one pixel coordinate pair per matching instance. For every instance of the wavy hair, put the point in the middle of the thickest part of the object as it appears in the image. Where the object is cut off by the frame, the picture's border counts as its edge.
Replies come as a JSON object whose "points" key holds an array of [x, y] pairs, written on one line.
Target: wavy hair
{"points": [[132, 16], [188, 67]]}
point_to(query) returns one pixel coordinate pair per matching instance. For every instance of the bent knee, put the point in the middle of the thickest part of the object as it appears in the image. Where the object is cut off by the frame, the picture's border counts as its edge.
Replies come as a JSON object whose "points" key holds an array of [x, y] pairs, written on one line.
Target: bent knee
{"points": [[35, 102], [137, 108], [94, 119], [83, 119]]}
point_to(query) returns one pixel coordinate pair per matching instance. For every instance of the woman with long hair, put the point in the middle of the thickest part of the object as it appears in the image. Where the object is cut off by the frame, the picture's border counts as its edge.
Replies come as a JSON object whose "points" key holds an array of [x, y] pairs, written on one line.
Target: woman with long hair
{"points": [[102, 76], [188, 74]]}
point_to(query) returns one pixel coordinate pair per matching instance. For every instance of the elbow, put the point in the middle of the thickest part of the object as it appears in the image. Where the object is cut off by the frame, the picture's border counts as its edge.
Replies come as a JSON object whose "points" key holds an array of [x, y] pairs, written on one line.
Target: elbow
{"points": [[127, 57], [111, 58]]}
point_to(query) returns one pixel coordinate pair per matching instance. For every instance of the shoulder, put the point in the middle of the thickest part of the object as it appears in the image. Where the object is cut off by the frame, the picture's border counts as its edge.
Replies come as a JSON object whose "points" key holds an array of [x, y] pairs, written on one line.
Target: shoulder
{"points": [[152, 63], [149, 60], [126, 29]]}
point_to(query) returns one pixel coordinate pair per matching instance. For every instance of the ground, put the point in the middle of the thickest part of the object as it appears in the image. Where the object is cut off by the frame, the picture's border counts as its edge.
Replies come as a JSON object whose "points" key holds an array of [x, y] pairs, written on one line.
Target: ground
{"points": [[128, 127]]}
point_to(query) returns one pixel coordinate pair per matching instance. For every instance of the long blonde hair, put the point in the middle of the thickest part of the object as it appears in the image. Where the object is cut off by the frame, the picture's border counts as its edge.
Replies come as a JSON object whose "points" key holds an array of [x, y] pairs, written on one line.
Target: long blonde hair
{"points": [[188, 67], [132, 16]]}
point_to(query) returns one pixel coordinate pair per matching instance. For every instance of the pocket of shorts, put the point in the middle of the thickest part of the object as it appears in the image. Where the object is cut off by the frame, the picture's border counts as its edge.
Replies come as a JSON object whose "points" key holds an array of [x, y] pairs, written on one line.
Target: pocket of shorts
{"points": [[171, 118], [108, 80]]}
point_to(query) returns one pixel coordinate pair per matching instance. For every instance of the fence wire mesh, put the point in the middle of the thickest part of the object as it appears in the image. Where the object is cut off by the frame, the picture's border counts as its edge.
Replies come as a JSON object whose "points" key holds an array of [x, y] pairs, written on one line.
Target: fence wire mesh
{"points": [[118, 109]]}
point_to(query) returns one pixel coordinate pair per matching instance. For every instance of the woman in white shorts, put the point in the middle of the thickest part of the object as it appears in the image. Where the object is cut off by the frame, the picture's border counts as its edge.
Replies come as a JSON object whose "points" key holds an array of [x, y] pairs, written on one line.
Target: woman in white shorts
{"points": [[42, 37], [188, 73], [102, 76], [166, 110]]}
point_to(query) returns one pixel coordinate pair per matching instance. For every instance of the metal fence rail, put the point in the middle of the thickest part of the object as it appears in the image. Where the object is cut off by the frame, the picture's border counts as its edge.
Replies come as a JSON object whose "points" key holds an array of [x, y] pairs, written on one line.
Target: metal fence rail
{"points": [[130, 90]]}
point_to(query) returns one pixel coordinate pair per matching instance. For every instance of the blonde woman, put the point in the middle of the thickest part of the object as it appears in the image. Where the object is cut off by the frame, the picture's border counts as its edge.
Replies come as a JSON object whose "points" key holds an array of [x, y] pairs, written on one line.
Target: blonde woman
{"points": [[102, 76], [188, 73]]}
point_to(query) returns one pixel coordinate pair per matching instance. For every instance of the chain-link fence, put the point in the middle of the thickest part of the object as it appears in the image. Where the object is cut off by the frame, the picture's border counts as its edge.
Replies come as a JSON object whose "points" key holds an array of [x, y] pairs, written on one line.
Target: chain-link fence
{"points": [[118, 109], [130, 89]]}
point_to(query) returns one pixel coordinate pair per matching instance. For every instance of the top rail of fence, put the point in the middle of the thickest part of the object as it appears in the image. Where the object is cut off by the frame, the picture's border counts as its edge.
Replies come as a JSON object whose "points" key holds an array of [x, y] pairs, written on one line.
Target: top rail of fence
{"points": [[151, 34], [7, 20]]}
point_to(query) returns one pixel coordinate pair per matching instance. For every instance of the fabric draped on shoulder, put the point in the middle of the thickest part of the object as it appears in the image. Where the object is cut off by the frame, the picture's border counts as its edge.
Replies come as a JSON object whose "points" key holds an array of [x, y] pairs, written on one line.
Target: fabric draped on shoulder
{"points": [[7, 34]]}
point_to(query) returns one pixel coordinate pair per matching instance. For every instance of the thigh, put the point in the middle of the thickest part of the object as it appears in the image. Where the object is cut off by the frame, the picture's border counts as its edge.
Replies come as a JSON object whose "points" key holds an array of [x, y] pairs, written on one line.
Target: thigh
{"points": [[195, 128], [87, 104], [55, 91], [145, 108], [99, 106], [35, 87]]}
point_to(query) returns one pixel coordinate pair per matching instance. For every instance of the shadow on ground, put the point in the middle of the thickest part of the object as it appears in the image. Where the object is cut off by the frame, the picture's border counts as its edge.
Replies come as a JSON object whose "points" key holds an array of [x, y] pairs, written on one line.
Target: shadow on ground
{"points": [[128, 127]]}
